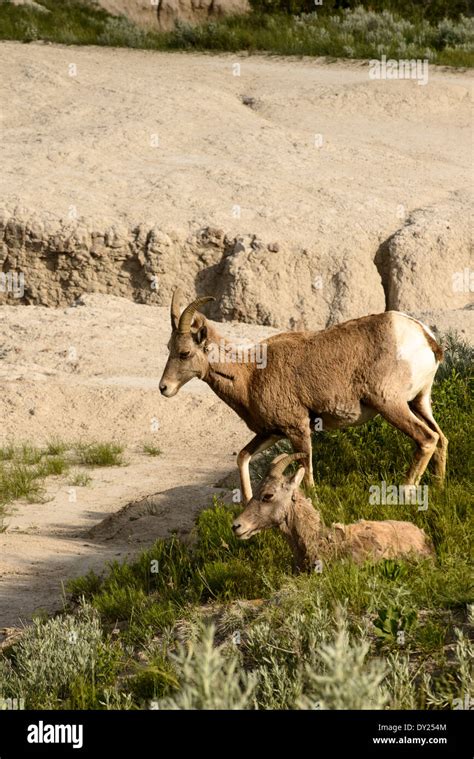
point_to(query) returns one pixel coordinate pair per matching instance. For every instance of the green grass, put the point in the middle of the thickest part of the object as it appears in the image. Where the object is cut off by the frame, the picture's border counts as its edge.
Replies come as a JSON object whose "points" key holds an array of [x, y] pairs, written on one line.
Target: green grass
{"points": [[53, 465], [419, 32], [56, 447], [80, 479], [100, 454], [29, 454], [391, 635], [351, 34], [152, 450], [415, 10], [24, 467], [79, 23], [19, 482], [7, 452]]}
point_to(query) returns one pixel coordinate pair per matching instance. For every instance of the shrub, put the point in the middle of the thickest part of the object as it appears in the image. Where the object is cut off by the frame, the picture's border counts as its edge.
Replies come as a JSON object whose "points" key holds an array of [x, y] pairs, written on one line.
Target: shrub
{"points": [[208, 678], [63, 658], [341, 676]]}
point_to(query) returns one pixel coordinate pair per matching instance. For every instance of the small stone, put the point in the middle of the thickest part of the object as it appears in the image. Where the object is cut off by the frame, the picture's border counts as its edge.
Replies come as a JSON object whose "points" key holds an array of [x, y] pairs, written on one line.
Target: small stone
{"points": [[255, 243], [249, 101], [239, 247]]}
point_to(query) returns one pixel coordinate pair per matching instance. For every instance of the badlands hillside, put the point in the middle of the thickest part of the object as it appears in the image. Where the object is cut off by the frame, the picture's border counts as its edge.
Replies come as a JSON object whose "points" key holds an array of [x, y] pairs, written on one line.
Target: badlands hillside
{"points": [[125, 171]]}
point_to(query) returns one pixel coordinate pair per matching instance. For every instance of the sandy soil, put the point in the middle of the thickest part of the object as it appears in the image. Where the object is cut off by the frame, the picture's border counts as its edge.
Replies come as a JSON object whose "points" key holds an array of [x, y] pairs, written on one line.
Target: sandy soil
{"points": [[87, 373], [143, 137]]}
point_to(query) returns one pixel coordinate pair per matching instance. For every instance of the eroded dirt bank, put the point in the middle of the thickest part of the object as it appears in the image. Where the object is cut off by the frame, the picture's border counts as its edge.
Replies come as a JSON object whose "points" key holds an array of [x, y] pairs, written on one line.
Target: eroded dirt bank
{"points": [[125, 171]]}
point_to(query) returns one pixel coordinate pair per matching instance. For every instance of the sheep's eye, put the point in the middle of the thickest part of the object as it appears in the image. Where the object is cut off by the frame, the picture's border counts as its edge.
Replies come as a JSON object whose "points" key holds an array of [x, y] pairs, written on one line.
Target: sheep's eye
{"points": [[183, 356], [267, 496]]}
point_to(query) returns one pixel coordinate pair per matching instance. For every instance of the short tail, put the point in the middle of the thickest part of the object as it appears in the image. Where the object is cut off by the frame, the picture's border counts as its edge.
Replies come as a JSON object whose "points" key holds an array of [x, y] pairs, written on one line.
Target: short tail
{"points": [[430, 338], [434, 345], [436, 348]]}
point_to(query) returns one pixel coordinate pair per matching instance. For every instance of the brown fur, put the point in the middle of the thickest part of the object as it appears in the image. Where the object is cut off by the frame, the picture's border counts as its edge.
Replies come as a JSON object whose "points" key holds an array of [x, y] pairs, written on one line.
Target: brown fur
{"points": [[344, 375], [281, 504]]}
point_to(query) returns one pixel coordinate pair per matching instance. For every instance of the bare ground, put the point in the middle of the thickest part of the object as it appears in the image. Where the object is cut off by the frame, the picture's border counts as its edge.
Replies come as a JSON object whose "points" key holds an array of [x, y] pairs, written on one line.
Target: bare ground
{"points": [[133, 136]]}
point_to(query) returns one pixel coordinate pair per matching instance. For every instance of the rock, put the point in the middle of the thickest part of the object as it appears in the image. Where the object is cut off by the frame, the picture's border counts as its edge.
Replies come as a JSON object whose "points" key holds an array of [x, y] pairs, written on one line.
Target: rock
{"points": [[256, 244], [248, 100], [239, 247], [428, 263], [31, 4], [162, 14], [140, 12], [252, 280], [197, 11], [315, 289], [459, 322]]}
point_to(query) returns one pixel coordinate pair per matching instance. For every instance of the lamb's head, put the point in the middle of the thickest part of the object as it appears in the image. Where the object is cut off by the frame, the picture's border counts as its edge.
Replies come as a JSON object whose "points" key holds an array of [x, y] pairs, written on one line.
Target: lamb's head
{"points": [[187, 346], [271, 505]]}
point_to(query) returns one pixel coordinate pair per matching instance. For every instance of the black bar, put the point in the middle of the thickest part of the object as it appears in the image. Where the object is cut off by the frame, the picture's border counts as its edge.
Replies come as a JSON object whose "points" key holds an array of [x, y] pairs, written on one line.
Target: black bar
{"points": [[372, 733]]}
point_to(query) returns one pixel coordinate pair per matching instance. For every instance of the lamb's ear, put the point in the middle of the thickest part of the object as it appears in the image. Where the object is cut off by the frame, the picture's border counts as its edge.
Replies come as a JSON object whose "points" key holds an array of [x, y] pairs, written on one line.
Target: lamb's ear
{"points": [[297, 478]]}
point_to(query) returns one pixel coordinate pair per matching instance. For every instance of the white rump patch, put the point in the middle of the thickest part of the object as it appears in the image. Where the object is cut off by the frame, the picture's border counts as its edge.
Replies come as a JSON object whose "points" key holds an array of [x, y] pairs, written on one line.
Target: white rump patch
{"points": [[422, 325], [413, 347]]}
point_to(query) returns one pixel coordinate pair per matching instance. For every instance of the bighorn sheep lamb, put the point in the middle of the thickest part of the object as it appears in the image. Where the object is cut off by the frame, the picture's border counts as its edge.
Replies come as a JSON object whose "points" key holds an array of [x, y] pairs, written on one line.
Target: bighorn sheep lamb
{"points": [[343, 376], [280, 503]]}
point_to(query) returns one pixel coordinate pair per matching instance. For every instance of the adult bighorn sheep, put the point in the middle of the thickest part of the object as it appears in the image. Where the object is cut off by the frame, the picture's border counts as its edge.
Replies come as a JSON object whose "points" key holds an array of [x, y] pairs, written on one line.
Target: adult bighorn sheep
{"points": [[280, 503], [344, 375]]}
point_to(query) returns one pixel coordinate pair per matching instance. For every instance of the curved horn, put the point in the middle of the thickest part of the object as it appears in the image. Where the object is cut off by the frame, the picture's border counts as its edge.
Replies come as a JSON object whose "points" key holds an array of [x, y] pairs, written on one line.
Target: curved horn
{"points": [[186, 317], [176, 301], [279, 464]]}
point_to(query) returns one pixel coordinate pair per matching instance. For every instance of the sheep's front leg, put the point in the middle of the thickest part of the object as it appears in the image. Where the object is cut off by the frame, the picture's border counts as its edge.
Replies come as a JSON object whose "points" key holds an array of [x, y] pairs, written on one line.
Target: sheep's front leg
{"points": [[257, 444], [300, 439]]}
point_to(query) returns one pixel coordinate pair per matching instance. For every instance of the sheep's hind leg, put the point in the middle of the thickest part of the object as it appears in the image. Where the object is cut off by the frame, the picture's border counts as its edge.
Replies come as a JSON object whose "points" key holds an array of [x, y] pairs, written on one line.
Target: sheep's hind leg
{"points": [[421, 405], [257, 444], [403, 418]]}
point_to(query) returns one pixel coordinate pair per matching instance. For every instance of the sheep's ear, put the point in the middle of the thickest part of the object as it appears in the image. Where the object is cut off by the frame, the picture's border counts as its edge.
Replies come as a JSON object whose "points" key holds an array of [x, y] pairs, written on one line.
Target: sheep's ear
{"points": [[200, 334], [297, 479]]}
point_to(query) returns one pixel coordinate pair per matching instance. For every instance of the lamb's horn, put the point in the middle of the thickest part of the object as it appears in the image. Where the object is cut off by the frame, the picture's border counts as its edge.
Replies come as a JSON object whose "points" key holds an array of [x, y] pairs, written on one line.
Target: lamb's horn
{"points": [[176, 301], [280, 463], [186, 318]]}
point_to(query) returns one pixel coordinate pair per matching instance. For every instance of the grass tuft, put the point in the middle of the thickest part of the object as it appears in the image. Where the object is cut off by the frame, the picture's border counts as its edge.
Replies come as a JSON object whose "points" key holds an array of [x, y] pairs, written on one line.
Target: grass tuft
{"points": [[80, 480], [24, 467], [19, 482], [100, 454], [152, 450]]}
